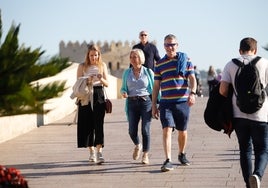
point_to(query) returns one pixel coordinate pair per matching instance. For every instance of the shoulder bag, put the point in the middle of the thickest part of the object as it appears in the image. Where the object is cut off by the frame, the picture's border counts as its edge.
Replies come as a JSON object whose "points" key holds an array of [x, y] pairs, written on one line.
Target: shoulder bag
{"points": [[108, 103]]}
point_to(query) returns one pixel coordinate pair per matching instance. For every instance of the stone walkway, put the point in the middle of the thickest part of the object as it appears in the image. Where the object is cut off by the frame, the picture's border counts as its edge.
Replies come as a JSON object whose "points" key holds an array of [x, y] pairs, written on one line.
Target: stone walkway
{"points": [[48, 157]]}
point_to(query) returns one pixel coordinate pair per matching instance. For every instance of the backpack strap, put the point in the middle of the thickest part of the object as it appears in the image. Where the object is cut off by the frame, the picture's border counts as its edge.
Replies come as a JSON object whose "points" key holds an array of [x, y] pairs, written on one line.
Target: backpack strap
{"points": [[237, 62], [240, 64], [255, 60]]}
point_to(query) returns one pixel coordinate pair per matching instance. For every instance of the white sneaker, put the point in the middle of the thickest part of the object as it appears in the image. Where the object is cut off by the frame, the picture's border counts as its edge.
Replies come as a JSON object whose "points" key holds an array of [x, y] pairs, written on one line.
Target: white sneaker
{"points": [[100, 158], [254, 181], [145, 158], [137, 152], [92, 156]]}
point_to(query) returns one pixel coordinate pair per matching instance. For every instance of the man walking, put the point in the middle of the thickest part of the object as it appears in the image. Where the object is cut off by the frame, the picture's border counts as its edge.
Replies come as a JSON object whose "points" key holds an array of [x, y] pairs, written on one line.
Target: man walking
{"points": [[251, 129], [149, 49], [175, 77]]}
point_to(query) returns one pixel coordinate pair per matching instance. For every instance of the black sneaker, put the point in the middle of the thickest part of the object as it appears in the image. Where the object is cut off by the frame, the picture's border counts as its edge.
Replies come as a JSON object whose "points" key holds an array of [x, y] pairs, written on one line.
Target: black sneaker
{"points": [[183, 160], [167, 166]]}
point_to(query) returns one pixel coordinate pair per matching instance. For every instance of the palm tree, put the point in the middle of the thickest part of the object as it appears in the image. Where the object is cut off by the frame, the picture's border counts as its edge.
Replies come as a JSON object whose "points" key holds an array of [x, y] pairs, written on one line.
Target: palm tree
{"points": [[20, 67]]}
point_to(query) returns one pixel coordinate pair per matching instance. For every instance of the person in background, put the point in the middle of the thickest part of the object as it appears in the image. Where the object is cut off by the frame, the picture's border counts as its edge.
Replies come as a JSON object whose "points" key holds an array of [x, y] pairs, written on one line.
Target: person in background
{"points": [[90, 118], [137, 86], [149, 49], [198, 82], [251, 129], [174, 76], [219, 75], [212, 78]]}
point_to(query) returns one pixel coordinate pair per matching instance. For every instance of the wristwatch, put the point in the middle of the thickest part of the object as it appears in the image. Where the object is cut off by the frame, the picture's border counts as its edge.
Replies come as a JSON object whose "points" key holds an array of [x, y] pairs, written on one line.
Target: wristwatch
{"points": [[193, 93]]}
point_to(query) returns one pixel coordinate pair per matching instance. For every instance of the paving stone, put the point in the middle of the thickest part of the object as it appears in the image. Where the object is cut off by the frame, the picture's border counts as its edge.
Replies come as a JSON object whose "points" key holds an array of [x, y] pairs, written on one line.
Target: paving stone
{"points": [[48, 156]]}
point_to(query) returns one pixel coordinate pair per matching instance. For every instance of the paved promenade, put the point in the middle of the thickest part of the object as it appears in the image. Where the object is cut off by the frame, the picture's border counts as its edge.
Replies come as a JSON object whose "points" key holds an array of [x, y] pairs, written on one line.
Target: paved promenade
{"points": [[48, 157]]}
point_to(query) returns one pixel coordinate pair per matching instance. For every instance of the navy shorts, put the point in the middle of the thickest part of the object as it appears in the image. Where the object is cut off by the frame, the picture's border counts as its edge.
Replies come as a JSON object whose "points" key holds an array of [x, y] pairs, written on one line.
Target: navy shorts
{"points": [[174, 115]]}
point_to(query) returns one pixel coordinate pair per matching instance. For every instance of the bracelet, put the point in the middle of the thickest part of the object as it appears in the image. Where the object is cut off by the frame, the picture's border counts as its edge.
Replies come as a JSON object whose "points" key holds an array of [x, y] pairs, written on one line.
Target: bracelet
{"points": [[193, 93]]}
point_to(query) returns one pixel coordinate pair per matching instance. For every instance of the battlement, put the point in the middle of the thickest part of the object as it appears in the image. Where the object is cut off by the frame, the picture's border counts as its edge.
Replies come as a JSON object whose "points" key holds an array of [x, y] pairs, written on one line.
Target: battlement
{"points": [[114, 54]]}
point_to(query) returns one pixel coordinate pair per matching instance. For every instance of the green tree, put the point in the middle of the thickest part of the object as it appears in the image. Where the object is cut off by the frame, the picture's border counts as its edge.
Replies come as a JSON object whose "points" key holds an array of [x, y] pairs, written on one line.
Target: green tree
{"points": [[19, 68]]}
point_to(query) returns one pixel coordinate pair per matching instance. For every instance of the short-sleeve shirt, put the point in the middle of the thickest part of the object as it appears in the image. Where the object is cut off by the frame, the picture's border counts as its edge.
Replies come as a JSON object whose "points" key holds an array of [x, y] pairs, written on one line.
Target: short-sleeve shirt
{"points": [[228, 75], [174, 86]]}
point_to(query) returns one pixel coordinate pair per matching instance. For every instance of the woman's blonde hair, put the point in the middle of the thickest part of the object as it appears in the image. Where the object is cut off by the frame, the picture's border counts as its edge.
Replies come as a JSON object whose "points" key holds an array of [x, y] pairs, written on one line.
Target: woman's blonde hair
{"points": [[93, 47], [140, 53]]}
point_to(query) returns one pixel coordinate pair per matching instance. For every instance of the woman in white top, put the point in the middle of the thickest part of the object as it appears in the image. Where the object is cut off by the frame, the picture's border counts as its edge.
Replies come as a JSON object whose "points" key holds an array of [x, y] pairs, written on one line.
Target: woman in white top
{"points": [[91, 117]]}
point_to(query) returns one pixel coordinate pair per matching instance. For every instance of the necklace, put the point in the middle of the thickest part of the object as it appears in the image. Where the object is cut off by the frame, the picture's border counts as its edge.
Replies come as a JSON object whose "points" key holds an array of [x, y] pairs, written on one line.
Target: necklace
{"points": [[136, 70], [136, 73]]}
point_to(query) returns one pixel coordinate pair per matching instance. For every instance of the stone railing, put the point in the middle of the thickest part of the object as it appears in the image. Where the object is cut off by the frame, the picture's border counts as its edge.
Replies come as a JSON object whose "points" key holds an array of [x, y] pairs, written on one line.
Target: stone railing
{"points": [[12, 126]]}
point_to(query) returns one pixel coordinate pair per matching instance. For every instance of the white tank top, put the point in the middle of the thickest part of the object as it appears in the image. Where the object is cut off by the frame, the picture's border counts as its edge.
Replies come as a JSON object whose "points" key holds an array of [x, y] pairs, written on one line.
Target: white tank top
{"points": [[93, 70]]}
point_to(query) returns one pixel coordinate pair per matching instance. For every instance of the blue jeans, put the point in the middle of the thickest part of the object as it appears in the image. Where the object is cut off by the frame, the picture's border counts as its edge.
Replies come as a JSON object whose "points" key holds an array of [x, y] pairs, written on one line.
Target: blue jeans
{"points": [[140, 109], [252, 133]]}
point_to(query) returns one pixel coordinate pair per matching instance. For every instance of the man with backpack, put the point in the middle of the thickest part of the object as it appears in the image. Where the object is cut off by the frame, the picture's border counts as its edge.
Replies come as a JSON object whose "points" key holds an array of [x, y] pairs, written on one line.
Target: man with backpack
{"points": [[250, 124]]}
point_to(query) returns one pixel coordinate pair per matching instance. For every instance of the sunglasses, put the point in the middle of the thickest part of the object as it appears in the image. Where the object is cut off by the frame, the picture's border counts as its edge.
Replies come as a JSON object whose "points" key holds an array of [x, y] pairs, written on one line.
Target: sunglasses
{"points": [[170, 44], [143, 35]]}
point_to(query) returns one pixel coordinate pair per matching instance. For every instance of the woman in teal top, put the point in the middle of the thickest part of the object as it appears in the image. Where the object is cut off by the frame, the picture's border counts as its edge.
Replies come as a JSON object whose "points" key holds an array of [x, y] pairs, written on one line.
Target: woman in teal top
{"points": [[137, 86]]}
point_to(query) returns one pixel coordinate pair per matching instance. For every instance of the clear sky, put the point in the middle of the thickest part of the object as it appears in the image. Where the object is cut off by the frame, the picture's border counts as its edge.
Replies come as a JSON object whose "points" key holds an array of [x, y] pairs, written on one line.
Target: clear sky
{"points": [[209, 31]]}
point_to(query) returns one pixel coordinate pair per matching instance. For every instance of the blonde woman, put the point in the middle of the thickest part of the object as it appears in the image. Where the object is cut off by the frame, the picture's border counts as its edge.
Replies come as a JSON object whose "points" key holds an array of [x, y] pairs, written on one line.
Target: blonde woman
{"points": [[137, 86], [90, 120]]}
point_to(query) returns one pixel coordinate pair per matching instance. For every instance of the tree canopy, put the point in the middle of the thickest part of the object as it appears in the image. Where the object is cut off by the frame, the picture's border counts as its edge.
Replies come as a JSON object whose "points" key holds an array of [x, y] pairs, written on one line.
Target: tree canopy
{"points": [[20, 67]]}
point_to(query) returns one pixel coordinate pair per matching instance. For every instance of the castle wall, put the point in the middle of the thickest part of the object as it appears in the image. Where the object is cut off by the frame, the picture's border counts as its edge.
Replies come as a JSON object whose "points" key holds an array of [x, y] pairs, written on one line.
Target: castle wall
{"points": [[114, 54]]}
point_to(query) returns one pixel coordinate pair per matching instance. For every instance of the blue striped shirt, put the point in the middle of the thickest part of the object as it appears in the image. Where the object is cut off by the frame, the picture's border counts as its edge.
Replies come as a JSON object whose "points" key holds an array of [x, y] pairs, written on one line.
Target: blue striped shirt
{"points": [[174, 85]]}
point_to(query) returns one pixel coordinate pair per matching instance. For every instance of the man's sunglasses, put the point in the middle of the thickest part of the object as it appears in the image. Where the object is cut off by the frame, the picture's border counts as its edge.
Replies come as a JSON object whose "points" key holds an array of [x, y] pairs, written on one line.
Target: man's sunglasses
{"points": [[170, 44]]}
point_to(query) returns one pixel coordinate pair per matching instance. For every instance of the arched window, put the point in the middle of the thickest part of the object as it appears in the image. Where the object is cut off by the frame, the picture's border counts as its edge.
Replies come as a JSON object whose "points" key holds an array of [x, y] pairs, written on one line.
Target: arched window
{"points": [[110, 65]]}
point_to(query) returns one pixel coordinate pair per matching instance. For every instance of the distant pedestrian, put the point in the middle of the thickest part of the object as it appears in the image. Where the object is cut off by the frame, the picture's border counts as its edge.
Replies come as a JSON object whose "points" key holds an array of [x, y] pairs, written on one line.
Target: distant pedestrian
{"points": [[219, 75], [212, 78], [175, 79], [251, 129], [198, 82], [90, 120], [149, 49], [137, 86]]}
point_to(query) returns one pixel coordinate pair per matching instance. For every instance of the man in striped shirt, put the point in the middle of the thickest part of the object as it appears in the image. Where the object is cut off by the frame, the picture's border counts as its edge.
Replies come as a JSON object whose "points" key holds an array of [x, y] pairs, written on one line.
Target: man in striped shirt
{"points": [[175, 78]]}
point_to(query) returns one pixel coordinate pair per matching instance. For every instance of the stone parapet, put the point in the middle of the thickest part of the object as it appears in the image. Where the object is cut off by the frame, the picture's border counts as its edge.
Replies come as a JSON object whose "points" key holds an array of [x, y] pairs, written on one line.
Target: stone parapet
{"points": [[12, 126]]}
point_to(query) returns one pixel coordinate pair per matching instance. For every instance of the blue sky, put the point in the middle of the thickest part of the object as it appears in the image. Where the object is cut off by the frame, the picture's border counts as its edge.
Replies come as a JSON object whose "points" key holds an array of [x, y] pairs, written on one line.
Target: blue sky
{"points": [[209, 31]]}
